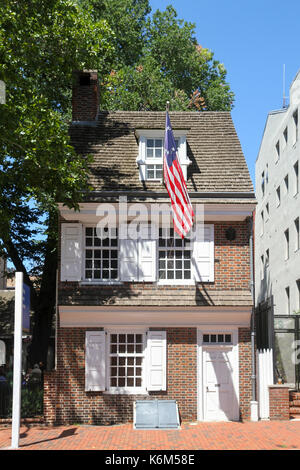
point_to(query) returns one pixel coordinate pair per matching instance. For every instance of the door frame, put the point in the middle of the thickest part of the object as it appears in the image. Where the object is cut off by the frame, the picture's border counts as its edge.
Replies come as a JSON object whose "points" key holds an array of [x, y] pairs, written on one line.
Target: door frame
{"points": [[206, 329]]}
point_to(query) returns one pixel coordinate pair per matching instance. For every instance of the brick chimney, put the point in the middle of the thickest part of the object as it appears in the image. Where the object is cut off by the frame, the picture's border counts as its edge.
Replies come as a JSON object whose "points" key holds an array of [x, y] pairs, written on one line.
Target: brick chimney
{"points": [[85, 95]]}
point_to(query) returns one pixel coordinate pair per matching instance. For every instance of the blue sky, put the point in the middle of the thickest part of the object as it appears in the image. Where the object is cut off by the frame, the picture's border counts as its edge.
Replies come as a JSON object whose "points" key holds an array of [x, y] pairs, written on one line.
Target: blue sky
{"points": [[254, 39]]}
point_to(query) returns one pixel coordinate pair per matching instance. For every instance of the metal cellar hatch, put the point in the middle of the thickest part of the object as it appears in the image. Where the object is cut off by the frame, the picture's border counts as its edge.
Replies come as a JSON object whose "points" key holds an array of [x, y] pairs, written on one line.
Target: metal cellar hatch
{"points": [[156, 414]]}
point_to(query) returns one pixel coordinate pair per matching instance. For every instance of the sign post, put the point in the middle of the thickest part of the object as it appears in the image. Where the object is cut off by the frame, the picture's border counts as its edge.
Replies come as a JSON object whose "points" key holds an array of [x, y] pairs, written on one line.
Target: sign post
{"points": [[22, 309]]}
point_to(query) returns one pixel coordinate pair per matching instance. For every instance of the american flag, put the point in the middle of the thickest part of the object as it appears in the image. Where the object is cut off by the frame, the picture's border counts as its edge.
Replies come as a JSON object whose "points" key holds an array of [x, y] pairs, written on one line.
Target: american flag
{"points": [[181, 205]]}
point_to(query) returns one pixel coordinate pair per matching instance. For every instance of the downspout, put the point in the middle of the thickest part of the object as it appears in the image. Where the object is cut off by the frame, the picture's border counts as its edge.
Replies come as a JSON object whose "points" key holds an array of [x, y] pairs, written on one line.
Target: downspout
{"points": [[253, 403]]}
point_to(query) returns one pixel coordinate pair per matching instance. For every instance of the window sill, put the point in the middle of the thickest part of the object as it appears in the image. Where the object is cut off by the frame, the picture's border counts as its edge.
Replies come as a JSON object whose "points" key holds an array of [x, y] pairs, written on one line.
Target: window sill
{"points": [[100, 283], [126, 392]]}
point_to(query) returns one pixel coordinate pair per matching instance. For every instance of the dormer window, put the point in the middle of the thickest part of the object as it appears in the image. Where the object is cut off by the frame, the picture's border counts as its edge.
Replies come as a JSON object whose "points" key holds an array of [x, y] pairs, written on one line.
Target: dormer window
{"points": [[154, 149], [151, 153]]}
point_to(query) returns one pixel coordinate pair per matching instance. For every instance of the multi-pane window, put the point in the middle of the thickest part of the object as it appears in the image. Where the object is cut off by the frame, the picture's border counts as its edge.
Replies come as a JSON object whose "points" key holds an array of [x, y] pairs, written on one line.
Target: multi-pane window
{"points": [[154, 158], [154, 148], [217, 338], [154, 172], [101, 253], [126, 356], [174, 256]]}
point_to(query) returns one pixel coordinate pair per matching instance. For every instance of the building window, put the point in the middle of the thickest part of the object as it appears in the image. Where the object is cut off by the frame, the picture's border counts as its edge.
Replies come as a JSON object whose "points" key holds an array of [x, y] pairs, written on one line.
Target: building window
{"points": [[295, 120], [298, 293], [267, 211], [262, 267], [277, 146], [174, 256], [217, 338], [287, 244], [267, 258], [297, 240], [286, 184], [101, 253], [126, 360], [262, 222], [278, 196], [154, 149], [296, 178], [285, 135], [263, 183], [154, 172], [287, 297]]}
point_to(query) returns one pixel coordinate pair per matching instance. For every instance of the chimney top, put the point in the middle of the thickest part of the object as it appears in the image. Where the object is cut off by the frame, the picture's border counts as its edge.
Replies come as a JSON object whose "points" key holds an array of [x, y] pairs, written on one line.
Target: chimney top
{"points": [[85, 95]]}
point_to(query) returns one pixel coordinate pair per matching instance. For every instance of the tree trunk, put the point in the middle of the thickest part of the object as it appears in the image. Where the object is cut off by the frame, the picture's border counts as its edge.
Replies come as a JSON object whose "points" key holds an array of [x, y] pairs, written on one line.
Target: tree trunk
{"points": [[45, 307]]}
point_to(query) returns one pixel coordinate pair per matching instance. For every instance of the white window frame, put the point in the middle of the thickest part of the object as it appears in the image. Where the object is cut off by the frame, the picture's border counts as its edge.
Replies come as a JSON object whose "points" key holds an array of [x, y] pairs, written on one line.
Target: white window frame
{"points": [[190, 281], [142, 161], [101, 280], [127, 390]]}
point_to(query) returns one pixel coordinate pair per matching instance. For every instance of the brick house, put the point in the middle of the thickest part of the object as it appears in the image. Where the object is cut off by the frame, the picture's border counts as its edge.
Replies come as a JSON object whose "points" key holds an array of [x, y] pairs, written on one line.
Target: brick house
{"points": [[153, 316]]}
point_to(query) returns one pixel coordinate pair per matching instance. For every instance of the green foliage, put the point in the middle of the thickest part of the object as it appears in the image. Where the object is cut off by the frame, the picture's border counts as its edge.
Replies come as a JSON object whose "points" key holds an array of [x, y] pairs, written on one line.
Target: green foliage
{"points": [[167, 63], [41, 43]]}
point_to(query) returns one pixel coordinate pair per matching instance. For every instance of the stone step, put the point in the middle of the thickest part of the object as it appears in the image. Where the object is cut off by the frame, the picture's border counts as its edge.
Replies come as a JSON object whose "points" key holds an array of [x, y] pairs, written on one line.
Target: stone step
{"points": [[294, 395], [293, 416], [294, 410]]}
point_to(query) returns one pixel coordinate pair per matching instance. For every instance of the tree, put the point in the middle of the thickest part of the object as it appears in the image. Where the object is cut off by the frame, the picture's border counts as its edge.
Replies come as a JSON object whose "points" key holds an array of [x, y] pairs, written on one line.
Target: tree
{"points": [[143, 61], [167, 64], [41, 43]]}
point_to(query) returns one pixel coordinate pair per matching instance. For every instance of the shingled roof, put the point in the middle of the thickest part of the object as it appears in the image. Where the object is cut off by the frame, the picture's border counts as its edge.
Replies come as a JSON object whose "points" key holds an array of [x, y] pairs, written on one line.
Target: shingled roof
{"points": [[218, 164]]}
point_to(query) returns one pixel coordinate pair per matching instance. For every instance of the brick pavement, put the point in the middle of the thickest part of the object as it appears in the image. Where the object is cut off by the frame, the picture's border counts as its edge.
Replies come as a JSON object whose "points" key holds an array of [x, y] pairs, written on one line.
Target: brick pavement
{"points": [[265, 435]]}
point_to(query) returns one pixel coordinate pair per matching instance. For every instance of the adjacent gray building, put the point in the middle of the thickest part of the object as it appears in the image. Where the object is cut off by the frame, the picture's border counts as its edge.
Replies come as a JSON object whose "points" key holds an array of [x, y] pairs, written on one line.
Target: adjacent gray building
{"points": [[277, 243]]}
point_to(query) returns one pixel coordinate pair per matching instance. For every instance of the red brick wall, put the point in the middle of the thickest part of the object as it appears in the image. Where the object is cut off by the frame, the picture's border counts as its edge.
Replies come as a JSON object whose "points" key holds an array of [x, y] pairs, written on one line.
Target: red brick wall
{"points": [[85, 98], [245, 372], [232, 258], [279, 402], [232, 263], [65, 400]]}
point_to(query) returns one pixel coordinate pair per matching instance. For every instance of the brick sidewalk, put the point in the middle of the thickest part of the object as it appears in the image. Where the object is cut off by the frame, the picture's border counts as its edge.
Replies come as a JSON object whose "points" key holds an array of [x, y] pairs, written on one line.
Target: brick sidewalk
{"points": [[267, 435]]}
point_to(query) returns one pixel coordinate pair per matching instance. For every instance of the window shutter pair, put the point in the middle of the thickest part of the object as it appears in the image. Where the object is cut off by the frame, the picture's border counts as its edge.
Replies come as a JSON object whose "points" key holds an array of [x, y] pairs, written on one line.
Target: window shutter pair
{"points": [[155, 361], [138, 257], [203, 254]]}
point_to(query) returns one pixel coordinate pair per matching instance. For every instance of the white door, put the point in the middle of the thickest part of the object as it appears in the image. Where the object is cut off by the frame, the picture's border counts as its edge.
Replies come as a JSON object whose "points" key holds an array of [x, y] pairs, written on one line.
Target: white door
{"points": [[220, 402]]}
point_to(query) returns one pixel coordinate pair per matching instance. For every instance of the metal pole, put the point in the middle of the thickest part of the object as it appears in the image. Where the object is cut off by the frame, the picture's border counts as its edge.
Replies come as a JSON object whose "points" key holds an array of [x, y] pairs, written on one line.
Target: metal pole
{"points": [[254, 403], [16, 410]]}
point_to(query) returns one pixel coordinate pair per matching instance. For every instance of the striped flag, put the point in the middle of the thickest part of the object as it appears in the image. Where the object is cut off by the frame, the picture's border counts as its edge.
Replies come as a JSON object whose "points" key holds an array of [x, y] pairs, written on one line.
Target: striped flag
{"points": [[181, 205]]}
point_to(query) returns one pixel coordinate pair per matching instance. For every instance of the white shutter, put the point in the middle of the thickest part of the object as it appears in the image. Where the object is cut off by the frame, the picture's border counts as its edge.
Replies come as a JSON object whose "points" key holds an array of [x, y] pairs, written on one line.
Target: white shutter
{"points": [[71, 252], [156, 360], [95, 361], [203, 254], [147, 244], [128, 260]]}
